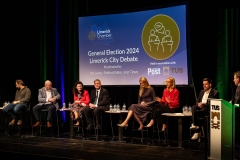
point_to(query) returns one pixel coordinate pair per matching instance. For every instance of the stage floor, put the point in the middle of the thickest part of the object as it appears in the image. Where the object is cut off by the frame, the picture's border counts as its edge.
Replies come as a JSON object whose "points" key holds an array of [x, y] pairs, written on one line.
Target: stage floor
{"points": [[65, 147]]}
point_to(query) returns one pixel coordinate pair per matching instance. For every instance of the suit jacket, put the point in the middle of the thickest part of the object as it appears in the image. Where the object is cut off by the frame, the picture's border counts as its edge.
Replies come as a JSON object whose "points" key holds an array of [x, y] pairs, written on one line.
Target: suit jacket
{"points": [[84, 99], [213, 94], [103, 99], [237, 96], [42, 96]]}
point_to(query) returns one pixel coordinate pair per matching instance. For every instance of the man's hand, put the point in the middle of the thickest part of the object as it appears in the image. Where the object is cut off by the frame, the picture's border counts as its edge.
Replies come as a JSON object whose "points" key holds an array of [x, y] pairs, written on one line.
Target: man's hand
{"points": [[15, 102], [52, 99], [200, 105], [92, 106]]}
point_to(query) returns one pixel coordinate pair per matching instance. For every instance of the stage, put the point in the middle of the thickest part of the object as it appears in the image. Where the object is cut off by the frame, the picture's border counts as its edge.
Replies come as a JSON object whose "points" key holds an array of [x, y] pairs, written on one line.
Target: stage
{"points": [[77, 147]]}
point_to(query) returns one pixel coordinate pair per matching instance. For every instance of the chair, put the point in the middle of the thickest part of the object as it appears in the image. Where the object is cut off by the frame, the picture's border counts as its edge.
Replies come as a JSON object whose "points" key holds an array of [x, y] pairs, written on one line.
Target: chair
{"points": [[44, 125], [145, 129], [204, 134], [73, 127], [156, 130]]}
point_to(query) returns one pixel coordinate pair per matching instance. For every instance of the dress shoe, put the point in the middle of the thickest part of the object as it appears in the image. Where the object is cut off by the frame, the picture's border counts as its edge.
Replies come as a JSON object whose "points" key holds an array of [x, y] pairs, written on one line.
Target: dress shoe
{"points": [[77, 124], [19, 122], [99, 126], [89, 127], [12, 122], [49, 124], [195, 136], [37, 124], [122, 125], [193, 127], [150, 124], [140, 128]]}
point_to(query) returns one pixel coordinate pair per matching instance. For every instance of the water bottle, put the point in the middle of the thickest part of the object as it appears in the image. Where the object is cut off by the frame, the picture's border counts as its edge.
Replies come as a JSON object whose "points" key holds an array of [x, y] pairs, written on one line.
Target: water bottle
{"points": [[69, 105], [190, 110], [118, 108], [64, 105], [184, 110], [114, 108], [111, 109], [124, 107]]}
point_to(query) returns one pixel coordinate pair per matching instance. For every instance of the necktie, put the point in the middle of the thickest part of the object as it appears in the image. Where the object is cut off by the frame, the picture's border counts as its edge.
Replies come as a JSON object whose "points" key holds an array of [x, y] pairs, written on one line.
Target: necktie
{"points": [[96, 98]]}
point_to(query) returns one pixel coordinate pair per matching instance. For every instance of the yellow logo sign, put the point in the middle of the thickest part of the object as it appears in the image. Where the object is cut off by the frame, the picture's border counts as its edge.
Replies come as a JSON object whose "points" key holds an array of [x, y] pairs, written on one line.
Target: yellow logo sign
{"points": [[215, 121], [160, 37]]}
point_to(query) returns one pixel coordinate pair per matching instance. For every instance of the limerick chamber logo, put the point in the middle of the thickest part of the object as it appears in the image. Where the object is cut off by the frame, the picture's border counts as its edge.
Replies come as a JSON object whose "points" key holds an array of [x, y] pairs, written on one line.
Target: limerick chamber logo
{"points": [[160, 37], [101, 35]]}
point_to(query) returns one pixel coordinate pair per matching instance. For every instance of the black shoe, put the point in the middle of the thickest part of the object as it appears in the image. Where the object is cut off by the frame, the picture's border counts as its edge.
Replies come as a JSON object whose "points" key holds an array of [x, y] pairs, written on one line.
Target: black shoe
{"points": [[99, 126], [89, 127]]}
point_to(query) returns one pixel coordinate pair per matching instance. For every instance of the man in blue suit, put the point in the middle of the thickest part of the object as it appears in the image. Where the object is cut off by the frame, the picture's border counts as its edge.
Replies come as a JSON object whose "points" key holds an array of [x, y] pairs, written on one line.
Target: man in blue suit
{"points": [[48, 99]]}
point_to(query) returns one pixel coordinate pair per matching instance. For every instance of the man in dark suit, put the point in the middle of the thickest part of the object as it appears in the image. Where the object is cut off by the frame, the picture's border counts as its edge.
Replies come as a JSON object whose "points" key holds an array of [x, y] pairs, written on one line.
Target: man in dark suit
{"points": [[99, 102], [48, 99], [236, 81], [202, 106], [236, 101]]}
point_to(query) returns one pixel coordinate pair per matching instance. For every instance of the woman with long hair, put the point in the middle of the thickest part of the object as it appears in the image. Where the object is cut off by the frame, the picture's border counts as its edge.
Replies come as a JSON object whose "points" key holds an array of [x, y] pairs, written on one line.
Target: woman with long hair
{"points": [[146, 98], [81, 99]]}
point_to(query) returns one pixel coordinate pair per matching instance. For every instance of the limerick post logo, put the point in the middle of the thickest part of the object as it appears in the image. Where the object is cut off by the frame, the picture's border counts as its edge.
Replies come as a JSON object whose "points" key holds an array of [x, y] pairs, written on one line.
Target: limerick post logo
{"points": [[101, 35], [160, 37]]}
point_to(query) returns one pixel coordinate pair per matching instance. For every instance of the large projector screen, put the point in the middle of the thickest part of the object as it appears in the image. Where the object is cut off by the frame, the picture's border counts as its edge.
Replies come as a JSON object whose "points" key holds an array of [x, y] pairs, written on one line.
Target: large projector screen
{"points": [[120, 48]]}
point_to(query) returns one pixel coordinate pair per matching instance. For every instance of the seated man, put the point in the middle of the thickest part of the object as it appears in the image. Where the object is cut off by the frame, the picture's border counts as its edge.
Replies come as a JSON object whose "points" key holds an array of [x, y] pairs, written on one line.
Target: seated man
{"points": [[99, 102], [202, 106], [48, 99], [22, 97]]}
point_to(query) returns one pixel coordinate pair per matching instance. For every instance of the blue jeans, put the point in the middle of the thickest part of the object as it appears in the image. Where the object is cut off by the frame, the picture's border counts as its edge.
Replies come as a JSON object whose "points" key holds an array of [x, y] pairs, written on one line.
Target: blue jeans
{"points": [[14, 110]]}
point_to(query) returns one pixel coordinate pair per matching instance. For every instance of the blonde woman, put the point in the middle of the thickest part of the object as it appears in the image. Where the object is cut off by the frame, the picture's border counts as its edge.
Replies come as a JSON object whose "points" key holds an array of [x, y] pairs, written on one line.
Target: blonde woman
{"points": [[169, 103], [146, 98]]}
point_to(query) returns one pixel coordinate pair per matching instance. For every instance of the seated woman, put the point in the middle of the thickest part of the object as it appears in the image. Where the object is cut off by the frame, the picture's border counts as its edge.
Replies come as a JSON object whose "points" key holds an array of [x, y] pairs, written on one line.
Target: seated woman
{"points": [[169, 103], [146, 99], [81, 99]]}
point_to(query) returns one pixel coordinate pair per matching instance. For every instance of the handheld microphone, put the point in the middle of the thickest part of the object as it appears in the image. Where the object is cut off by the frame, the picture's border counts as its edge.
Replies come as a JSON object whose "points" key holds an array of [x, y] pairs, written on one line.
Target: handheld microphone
{"points": [[79, 96]]}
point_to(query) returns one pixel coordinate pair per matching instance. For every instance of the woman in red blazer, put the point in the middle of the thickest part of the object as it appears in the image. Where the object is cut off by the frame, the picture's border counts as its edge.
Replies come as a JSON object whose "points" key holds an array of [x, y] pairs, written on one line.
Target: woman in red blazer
{"points": [[81, 99], [169, 103]]}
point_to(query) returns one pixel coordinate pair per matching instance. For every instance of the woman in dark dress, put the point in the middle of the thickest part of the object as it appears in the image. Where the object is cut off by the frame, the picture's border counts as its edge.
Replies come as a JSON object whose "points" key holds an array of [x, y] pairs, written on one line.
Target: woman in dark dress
{"points": [[146, 98]]}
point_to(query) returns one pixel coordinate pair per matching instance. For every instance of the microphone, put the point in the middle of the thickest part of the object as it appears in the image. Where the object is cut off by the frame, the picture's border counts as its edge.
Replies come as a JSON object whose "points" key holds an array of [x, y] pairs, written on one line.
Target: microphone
{"points": [[215, 87], [79, 96]]}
